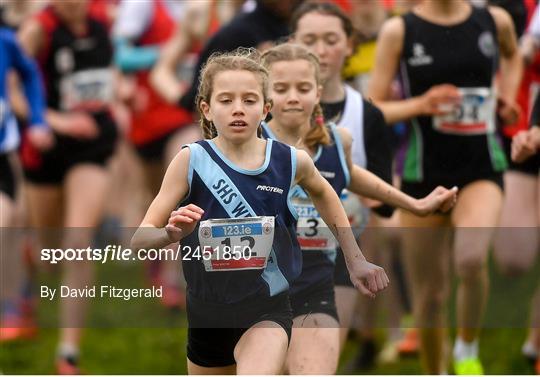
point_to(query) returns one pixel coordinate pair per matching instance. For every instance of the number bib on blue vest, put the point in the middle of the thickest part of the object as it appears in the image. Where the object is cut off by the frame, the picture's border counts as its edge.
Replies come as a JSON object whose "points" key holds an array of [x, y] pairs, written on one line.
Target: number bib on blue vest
{"points": [[475, 115], [312, 231], [236, 244]]}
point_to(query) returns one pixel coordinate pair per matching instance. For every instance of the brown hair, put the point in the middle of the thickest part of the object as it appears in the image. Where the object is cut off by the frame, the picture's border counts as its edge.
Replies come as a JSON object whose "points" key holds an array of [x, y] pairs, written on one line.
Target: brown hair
{"points": [[322, 7], [241, 59], [318, 133]]}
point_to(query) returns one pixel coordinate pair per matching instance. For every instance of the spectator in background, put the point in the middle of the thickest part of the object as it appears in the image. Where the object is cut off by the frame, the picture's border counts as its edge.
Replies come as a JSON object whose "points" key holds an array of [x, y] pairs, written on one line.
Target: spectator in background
{"points": [[174, 70], [259, 28]]}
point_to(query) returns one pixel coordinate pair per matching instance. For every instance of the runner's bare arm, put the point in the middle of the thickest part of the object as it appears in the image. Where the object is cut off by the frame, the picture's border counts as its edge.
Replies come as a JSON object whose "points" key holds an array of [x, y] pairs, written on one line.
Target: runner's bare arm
{"points": [[367, 277], [511, 59], [154, 231], [387, 59], [163, 76], [367, 184], [31, 37]]}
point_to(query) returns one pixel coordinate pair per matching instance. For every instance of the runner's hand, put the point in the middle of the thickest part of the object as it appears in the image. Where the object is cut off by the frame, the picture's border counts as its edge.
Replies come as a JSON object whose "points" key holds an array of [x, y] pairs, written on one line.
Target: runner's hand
{"points": [[440, 199], [369, 278], [508, 111], [440, 100], [523, 146], [183, 221], [78, 125], [41, 137]]}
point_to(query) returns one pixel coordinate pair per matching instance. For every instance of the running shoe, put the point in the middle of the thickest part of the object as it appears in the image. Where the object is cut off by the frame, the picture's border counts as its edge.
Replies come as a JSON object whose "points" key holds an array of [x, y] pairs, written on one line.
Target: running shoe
{"points": [[173, 297], [364, 358], [469, 366], [410, 343], [67, 366], [389, 353], [15, 327], [529, 351]]}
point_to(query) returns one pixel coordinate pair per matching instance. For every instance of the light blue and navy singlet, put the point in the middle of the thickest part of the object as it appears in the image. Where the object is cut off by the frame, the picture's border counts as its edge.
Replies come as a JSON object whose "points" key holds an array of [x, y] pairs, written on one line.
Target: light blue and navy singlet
{"points": [[318, 265], [225, 191]]}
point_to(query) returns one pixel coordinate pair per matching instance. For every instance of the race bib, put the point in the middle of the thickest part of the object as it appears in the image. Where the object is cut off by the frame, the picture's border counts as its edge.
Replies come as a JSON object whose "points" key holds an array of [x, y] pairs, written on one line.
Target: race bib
{"points": [[236, 244], [3, 111], [89, 90], [357, 213], [475, 115], [185, 71], [312, 232]]}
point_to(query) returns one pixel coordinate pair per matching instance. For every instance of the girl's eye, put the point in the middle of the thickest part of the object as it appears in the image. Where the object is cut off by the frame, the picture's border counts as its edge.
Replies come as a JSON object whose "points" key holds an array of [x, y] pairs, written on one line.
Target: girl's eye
{"points": [[225, 100], [308, 41], [249, 101], [331, 41]]}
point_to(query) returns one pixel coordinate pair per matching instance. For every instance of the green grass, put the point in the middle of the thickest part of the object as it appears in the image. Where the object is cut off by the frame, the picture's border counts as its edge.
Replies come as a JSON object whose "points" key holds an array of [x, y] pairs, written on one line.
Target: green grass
{"points": [[142, 337]]}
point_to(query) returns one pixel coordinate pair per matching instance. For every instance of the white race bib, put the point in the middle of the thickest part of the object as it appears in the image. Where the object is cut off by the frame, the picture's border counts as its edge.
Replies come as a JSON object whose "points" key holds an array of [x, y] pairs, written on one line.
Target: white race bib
{"points": [[357, 214], [237, 244], [475, 115], [3, 111], [87, 90], [312, 231]]}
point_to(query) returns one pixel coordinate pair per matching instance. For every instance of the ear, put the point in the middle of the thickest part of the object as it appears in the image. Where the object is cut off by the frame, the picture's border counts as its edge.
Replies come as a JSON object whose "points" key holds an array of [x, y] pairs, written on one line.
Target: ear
{"points": [[350, 47], [205, 109], [266, 109]]}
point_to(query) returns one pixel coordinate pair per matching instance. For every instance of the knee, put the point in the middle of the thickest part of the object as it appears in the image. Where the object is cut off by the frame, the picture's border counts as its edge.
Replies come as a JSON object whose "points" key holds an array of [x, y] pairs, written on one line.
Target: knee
{"points": [[513, 267], [517, 258], [470, 267], [430, 302]]}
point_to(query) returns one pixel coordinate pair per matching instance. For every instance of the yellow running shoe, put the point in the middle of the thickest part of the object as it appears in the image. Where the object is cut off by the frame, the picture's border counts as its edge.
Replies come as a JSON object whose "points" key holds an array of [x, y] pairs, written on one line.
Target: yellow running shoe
{"points": [[469, 366]]}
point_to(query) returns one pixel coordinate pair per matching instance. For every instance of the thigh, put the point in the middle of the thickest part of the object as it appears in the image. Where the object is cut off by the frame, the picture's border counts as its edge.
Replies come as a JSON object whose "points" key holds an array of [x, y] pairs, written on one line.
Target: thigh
{"points": [[7, 211], [153, 176], [314, 347], [425, 250], [516, 238], [538, 200], [45, 205], [262, 349], [86, 187], [193, 368], [475, 217], [346, 298]]}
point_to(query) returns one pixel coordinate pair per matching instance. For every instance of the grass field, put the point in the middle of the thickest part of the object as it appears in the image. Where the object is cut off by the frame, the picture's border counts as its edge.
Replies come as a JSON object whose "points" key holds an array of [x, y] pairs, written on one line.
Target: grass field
{"points": [[142, 337]]}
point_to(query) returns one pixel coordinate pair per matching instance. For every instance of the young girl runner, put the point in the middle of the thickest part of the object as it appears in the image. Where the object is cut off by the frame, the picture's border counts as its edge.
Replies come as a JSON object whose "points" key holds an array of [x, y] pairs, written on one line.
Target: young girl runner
{"points": [[295, 90], [328, 32], [227, 195], [448, 53]]}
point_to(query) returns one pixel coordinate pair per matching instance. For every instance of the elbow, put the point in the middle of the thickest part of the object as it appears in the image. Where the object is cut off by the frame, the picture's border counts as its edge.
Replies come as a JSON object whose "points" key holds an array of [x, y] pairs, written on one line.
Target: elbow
{"points": [[137, 241], [134, 244]]}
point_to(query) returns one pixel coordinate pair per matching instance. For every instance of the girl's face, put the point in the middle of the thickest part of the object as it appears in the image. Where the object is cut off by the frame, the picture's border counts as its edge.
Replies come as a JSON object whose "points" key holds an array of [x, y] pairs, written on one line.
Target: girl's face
{"points": [[324, 35], [237, 105], [294, 92]]}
